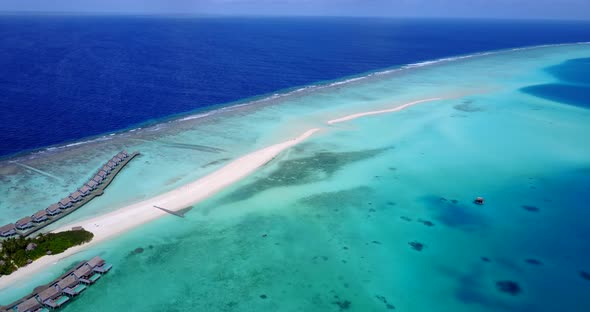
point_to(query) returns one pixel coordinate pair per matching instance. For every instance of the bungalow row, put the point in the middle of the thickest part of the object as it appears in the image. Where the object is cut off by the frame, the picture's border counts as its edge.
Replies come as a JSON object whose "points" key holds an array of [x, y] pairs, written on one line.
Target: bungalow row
{"points": [[66, 288], [55, 209]]}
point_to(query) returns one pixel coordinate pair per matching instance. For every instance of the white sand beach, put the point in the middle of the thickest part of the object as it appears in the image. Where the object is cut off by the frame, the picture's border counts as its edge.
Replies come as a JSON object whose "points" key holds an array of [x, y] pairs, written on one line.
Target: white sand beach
{"points": [[112, 224]]}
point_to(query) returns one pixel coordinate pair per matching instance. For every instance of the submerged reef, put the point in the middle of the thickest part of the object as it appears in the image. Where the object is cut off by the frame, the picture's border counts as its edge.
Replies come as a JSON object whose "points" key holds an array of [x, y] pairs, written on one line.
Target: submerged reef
{"points": [[530, 208], [533, 262], [303, 170], [585, 275], [426, 222], [388, 305], [343, 304], [417, 245], [468, 107], [509, 287], [137, 251]]}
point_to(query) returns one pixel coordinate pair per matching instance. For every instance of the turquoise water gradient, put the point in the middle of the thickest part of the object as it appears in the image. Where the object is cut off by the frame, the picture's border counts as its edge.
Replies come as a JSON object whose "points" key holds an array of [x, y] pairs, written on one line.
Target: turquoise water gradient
{"points": [[326, 226]]}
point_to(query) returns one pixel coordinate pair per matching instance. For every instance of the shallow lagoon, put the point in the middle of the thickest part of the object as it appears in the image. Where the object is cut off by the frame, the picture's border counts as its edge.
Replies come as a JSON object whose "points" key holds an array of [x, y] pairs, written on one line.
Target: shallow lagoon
{"points": [[333, 223]]}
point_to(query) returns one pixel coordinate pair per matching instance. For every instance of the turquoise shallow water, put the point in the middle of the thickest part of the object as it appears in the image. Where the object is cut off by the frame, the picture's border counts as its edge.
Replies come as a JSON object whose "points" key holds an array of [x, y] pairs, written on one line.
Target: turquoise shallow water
{"points": [[327, 225]]}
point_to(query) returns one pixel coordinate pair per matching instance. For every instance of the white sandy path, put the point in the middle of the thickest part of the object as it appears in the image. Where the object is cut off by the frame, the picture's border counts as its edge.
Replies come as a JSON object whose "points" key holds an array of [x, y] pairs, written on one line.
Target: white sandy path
{"points": [[112, 224], [383, 111]]}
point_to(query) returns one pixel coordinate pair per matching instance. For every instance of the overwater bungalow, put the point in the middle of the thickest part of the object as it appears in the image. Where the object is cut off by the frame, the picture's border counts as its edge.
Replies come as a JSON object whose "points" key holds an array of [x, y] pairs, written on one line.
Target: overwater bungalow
{"points": [[103, 174], [86, 274], [40, 216], [8, 230], [111, 164], [99, 265], [76, 196], [24, 223], [85, 190], [29, 305], [124, 154], [53, 210], [65, 203], [52, 297], [71, 286], [98, 179], [92, 184], [117, 160], [106, 168]]}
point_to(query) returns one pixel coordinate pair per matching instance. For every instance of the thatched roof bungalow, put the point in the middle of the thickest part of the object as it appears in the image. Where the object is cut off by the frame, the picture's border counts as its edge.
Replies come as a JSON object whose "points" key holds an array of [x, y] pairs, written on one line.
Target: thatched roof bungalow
{"points": [[53, 210], [48, 296], [24, 223], [85, 190], [98, 179], [106, 168], [76, 196], [65, 203], [29, 305], [40, 216], [8, 230], [92, 184]]}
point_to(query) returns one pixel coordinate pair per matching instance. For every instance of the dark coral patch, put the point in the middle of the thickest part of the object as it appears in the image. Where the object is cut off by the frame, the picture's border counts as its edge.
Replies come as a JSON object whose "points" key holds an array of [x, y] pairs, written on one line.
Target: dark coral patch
{"points": [[533, 262], [417, 245], [299, 171], [485, 259], [468, 107], [263, 296], [426, 222], [405, 218], [585, 275], [388, 305], [530, 208], [343, 305], [137, 251], [509, 287]]}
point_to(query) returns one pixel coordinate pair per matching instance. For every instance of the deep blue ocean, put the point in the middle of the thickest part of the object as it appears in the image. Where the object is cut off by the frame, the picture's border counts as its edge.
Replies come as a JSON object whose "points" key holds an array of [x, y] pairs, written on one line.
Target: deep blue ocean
{"points": [[68, 77]]}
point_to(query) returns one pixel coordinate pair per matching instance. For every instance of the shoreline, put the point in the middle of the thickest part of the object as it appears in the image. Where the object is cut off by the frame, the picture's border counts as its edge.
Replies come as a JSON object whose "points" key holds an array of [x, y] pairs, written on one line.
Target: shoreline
{"points": [[110, 225]]}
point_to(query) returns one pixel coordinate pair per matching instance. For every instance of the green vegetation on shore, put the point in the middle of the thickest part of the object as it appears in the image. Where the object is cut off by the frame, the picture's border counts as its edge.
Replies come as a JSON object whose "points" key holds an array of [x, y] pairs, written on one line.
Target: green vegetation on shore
{"points": [[18, 252]]}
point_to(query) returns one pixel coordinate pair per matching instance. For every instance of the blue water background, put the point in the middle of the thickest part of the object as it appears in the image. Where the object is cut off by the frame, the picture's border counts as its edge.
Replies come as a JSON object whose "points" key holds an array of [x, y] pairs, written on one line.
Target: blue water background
{"points": [[69, 77]]}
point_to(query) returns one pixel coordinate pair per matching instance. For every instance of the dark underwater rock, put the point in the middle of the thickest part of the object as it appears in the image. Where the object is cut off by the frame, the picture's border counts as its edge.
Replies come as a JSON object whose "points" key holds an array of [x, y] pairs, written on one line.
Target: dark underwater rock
{"points": [[426, 222], [388, 305], [533, 262], [530, 208], [137, 251], [509, 287], [343, 305], [417, 245]]}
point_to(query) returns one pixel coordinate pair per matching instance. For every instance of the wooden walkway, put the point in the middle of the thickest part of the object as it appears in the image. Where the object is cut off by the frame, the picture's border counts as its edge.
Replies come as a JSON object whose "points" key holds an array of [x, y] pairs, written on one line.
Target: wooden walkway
{"points": [[86, 199]]}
